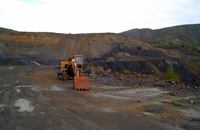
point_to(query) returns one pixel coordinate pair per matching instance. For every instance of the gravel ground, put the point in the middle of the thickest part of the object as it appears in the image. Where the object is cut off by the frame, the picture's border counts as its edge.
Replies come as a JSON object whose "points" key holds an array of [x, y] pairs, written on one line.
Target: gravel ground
{"points": [[31, 97]]}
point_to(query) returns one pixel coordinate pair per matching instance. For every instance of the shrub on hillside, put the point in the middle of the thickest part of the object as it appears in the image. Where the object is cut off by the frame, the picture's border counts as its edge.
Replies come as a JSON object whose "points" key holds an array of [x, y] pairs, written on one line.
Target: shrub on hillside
{"points": [[90, 67], [171, 75], [126, 71]]}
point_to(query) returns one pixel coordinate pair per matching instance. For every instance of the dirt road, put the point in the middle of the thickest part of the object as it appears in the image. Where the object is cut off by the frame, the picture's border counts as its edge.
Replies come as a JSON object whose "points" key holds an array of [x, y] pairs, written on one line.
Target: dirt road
{"points": [[31, 97]]}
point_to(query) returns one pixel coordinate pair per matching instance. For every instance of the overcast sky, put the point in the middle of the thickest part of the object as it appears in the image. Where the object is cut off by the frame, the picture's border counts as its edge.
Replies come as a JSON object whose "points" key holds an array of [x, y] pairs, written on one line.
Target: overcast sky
{"points": [[93, 16]]}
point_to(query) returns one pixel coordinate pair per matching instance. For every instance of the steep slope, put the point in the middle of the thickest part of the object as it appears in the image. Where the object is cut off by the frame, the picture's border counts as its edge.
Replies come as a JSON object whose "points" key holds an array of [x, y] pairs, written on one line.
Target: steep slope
{"points": [[52, 46], [184, 34]]}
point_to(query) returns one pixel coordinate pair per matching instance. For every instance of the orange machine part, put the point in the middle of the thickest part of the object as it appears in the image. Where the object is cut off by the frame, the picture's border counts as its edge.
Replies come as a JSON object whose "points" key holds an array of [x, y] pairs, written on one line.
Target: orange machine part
{"points": [[81, 83]]}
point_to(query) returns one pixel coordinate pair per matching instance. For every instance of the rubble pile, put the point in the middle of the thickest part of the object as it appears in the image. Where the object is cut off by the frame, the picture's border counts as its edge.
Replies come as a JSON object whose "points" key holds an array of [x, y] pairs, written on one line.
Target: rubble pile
{"points": [[127, 79]]}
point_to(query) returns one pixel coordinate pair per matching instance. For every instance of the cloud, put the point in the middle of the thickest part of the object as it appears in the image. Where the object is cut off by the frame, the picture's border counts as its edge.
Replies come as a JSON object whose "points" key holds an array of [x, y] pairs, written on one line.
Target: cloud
{"points": [[32, 1], [87, 16]]}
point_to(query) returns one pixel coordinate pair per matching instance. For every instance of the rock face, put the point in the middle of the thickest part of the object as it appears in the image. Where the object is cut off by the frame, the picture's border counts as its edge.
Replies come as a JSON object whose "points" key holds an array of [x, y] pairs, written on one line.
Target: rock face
{"points": [[51, 46]]}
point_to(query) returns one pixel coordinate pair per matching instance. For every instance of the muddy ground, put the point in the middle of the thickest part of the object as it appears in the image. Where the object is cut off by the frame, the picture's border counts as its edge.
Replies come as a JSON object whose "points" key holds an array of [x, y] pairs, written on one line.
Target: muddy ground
{"points": [[31, 97]]}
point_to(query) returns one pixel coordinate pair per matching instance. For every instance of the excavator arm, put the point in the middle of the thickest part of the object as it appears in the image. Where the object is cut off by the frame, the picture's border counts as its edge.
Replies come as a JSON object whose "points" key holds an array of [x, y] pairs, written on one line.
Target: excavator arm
{"points": [[80, 83]]}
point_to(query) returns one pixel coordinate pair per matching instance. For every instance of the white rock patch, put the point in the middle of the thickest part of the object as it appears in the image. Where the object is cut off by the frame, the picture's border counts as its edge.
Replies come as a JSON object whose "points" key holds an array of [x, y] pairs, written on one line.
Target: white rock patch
{"points": [[24, 105], [2, 105], [18, 90]]}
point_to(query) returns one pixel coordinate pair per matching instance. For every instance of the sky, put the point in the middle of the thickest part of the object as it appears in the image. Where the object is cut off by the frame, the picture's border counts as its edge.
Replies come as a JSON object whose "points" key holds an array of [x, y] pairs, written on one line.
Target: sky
{"points": [[96, 16]]}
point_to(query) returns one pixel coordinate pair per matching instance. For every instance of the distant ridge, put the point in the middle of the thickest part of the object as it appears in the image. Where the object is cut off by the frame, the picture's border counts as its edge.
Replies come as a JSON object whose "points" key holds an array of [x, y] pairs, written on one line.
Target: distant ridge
{"points": [[5, 29], [182, 34]]}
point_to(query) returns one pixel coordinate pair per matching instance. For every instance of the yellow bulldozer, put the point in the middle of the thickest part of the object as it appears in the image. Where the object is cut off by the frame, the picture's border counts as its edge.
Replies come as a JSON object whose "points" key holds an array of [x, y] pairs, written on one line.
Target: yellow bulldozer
{"points": [[71, 69]]}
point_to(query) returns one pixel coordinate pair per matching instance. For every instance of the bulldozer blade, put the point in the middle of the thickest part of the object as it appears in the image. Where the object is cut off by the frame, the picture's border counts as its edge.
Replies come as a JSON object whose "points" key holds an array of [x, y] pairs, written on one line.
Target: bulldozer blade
{"points": [[81, 83]]}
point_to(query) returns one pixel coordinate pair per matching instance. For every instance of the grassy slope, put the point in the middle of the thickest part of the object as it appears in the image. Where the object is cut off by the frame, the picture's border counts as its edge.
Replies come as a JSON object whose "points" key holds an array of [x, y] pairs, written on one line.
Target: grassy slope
{"points": [[186, 34], [5, 29], [185, 38], [183, 34]]}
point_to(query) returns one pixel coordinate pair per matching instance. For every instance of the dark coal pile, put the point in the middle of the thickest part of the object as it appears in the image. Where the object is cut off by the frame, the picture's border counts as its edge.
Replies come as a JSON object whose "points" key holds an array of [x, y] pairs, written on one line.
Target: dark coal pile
{"points": [[133, 66], [141, 67], [138, 51]]}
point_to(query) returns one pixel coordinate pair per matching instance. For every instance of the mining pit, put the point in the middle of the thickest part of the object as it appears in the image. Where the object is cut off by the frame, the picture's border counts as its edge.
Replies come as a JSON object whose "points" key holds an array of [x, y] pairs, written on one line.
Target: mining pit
{"points": [[31, 97]]}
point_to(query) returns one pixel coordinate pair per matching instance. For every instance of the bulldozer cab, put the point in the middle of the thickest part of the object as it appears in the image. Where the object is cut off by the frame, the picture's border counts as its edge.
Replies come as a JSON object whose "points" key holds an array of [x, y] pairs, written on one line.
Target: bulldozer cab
{"points": [[79, 61]]}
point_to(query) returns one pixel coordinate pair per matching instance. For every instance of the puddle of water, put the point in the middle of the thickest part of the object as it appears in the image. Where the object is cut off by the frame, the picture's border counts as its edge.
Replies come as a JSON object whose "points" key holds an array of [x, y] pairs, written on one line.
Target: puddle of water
{"points": [[104, 109], [24, 86], [190, 112], [5, 85], [55, 88], [24, 105], [33, 87], [17, 81], [18, 90], [145, 95], [110, 96], [2, 105], [146, 92], [106, 87]]}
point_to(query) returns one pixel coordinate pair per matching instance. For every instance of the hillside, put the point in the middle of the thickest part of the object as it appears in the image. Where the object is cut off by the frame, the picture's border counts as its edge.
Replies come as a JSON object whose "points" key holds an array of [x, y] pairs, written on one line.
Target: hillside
{"points": [[187, 35], [52, 46], [109, 50]]}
